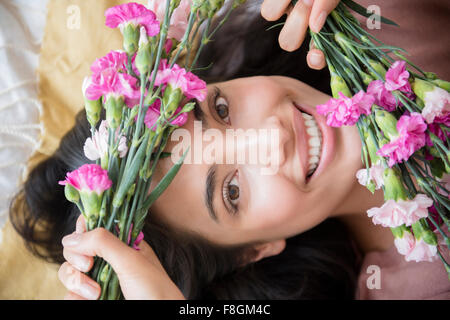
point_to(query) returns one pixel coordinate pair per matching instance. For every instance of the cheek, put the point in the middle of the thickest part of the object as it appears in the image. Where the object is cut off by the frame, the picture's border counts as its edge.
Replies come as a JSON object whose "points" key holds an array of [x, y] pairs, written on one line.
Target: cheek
{"points": [[278, 208]]}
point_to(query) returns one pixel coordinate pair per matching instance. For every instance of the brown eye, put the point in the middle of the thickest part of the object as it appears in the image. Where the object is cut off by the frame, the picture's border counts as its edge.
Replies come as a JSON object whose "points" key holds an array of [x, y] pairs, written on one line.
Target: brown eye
{"points": [[233, 192], [222, 109]]}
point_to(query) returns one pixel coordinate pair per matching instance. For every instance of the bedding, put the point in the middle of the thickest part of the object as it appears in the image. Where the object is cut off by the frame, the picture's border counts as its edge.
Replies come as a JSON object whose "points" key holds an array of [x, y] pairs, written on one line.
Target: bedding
{"points": [[53, 41]]}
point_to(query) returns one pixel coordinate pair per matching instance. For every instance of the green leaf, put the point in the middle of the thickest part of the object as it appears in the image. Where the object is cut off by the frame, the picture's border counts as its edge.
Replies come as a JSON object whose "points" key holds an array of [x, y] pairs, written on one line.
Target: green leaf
{"points": [[130, 174], [164, 183], [363, 11]]}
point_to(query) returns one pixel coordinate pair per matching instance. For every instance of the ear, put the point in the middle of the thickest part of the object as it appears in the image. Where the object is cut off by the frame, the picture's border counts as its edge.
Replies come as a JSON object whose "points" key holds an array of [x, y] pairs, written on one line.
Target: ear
{"points": [[268, 249]]}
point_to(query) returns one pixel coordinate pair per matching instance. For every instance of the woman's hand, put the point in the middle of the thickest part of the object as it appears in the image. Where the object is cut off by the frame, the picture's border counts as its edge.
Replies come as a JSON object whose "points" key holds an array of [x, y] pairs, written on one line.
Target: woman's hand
{"points": [[140, 273], [312, 13]]}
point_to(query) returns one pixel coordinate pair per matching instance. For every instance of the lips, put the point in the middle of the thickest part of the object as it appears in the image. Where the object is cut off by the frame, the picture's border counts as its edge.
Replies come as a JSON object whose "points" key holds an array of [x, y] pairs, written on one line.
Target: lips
{"points": [[328, 140]]}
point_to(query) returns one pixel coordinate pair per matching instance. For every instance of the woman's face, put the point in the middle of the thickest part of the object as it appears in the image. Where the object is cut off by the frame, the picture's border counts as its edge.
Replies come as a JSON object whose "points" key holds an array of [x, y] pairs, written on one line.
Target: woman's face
{"points": [[231, 201]]}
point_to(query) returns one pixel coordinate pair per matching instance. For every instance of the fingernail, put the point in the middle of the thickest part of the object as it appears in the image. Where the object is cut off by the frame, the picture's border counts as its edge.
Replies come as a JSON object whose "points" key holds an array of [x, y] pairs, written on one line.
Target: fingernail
{"points": [[89, 291], [308, 2], [71, 240], [315, 59], [319, 22], [81, 262]]}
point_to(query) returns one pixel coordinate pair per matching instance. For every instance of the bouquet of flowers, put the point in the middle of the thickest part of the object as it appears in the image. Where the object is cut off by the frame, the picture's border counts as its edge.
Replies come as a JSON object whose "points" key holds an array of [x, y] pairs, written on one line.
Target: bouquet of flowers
{"points": [[403, 115], [146, 95]]}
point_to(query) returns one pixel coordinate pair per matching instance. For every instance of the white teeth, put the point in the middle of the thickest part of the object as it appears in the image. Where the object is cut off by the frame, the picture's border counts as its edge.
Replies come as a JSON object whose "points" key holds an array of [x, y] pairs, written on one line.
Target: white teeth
{"points": [[313, 131], [314, 151], [313, 160], [310, 123], [314, 142], [306, 116]]}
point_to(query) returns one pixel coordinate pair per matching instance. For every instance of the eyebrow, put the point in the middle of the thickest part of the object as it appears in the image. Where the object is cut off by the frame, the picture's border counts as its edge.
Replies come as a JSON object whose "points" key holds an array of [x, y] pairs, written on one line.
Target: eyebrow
{"points": [[199, 114], [210, 190]]}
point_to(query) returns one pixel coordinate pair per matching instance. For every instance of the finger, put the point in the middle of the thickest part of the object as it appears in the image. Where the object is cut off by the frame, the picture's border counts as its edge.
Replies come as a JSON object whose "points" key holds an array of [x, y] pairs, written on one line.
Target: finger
{"points": [[316, 59], [294, 30], [80, 226], [73, 296], [320, 10], [272, 10], [79, 261], [78, 282], [102, 243]]}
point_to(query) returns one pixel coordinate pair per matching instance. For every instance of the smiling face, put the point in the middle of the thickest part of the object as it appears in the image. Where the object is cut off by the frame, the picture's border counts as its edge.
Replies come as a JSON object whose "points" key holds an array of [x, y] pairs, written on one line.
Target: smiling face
{"points": [[237, 203]]}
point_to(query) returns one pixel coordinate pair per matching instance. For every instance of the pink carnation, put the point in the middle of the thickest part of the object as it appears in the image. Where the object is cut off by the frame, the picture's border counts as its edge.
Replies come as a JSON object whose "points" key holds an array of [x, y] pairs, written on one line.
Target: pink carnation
{"points": [[346, 111], [395, 213], [153, 114], [397, 77], [411, 138], [96, 146], [179, 19], [383, 97], [375, 175], [437, 104], [405, 244], [116, 60], [177, 77], [422, 251], [112, 83], [132, 13], [88, 178]]}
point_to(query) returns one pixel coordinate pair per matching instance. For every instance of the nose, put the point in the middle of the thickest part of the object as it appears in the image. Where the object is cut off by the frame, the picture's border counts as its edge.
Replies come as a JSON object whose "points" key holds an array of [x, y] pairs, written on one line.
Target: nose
{"points": [[263, 145]]}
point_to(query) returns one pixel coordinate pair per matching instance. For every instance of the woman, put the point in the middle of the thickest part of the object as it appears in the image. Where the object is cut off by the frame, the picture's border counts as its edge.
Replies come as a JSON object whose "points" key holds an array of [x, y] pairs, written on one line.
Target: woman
{"points": [[256, 236]]}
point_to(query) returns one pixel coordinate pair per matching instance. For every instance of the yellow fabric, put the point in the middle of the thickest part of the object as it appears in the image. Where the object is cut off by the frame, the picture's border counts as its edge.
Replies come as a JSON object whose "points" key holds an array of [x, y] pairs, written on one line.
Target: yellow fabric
{"points": [[66, 55]]}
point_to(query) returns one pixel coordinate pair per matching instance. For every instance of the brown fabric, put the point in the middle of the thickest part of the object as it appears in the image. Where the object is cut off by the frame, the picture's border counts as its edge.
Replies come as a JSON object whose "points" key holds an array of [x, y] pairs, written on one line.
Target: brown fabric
{"points": [[402, 280], [66, 56], [422, 33]]}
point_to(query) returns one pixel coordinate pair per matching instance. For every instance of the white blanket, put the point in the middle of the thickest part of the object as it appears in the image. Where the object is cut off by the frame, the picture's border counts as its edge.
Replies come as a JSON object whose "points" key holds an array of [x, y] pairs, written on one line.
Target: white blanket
{"points": [[21, 30]]}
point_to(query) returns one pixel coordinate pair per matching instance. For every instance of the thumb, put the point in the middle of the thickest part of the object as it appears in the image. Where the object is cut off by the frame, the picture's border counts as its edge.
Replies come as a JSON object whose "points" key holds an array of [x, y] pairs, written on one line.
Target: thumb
{"points": [[316, 59]]}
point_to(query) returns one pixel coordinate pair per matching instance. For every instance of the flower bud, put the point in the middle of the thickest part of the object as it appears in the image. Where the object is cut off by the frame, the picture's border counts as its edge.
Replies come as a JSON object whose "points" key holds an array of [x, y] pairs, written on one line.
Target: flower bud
{"points": [[92, 203], [188, 107], [371, 147], [143, 58], [393, 185], [398, 232], [387, 123], [171, 100], [422, 231], [216, 5], [92, 107], [338, 84], [442, 84], [130, 38], [104, 273], [420, 87], [367, 79], [114, 108], [71, 193], [378, 67], [207, 8]]}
